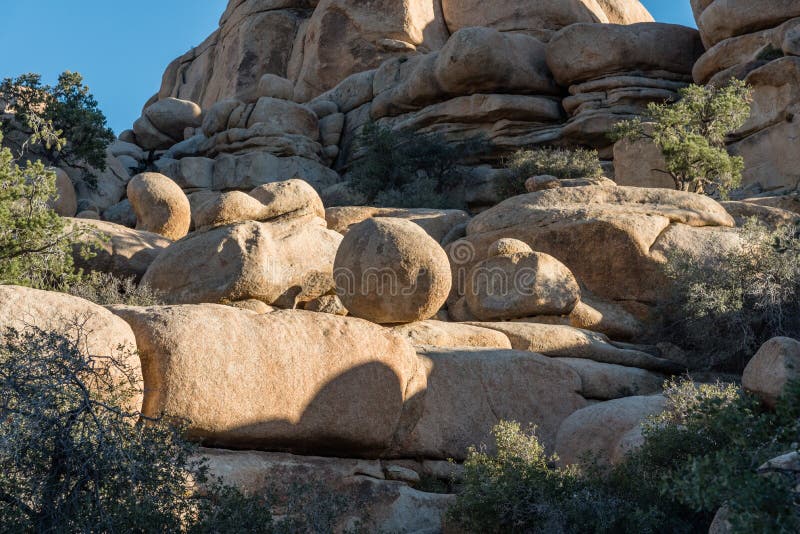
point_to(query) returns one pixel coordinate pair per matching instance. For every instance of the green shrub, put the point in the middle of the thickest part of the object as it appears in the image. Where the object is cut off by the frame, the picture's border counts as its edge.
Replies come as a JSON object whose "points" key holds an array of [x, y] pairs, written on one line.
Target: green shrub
{"points": [[404, 169], [106, 289], [64, 119], [724, 310], [691, 134], [701, 454], [35, 245], [562, 163]]}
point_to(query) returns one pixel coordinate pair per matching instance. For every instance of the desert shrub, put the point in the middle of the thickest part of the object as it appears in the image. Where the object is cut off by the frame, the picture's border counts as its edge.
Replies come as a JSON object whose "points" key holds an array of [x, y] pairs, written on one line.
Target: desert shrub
{"points": [[106, 289], [405, 169], [702, 453], [35, 245], [65, 120], [563, 163], [724, 310], [691, 135], [72, 457]]}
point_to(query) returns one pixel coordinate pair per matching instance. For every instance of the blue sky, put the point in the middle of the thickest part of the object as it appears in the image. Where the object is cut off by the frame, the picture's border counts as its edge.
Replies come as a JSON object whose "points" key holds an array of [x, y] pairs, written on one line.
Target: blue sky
{"points": [[122, 48]]}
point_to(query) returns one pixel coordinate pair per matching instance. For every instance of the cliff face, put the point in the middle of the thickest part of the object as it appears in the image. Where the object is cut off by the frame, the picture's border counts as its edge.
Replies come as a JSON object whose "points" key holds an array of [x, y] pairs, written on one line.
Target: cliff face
{"points": [[318, 43]]}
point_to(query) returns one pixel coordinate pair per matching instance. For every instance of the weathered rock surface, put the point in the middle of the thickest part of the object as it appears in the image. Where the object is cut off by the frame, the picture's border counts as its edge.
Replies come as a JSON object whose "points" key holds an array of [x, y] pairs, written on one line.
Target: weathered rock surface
{"points": [[371, 497], [567, 342], [390, 271], [123, 252], [65, 202], [607, 431], [437, 223], [160, 205], [471, 390], [98, 332], [452, 335], [248, 260], [163, 123], [289, 380], [605, 381], [613, 239], [775, 364]]}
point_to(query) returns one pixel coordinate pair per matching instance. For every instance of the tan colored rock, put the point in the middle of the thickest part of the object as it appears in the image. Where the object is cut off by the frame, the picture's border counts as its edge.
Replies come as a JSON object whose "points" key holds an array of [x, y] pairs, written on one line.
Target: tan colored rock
{"points": [[327, 304], [771, 217], [99, 332], [346, 36], [273, 86], [640, 163], [437, 223], [605, 381], [608, 430], [452, 335], [289, 198], [520, 285], [583, 52], [290, 380], [775, 364], [248, 260], [567, 342], [123, 252], [161, 206], [65, 202], [625, 11], [253, 305], [722, 19], [227, 208], [172, 116], [614, 239], [371, 498], [605, 317], [509, 247], [390, 271], [471, 390]]}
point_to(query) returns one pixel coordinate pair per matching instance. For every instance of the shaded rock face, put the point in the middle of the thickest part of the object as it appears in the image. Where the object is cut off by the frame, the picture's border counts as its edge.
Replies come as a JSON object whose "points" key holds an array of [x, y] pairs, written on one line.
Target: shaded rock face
{"points": [[758, 42]]}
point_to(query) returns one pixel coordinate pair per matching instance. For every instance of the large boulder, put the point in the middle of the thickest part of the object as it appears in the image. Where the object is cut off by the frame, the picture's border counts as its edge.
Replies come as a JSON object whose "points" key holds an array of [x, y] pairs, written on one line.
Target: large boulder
{"points": [[289, 380], [722, 19], [510, 285], [613, 239], [372, 499], [99, 333], [438, 223], [344, 37], [775, 364], [118, 250], [160, 205], [452, 335], [65, 201], [606, 381], [471, 390], [247, 260], [391, 271], [606, 431]]}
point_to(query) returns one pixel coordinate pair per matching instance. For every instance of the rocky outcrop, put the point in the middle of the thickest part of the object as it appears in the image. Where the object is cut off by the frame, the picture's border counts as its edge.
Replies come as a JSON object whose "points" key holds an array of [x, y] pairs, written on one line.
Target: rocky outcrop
{"points": [[613, 72], [389, 270], [775, 364], [371, 496], [99, 333], [437, 223], [758, 42], [613, 239]]}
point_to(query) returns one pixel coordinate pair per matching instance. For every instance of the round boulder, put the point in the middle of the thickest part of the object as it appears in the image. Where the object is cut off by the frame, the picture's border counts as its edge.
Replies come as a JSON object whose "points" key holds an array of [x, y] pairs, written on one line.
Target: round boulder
{"points": [[509, 247], [775, 364], [65, 201], [160, 205], [391, 271]]}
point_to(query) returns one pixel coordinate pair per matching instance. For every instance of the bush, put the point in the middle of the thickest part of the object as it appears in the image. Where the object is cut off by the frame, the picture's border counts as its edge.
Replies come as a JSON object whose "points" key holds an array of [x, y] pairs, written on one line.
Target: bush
{"points": [[701, 454], [404, 169], [691, 135], [725, 310], [64, 119], [106, 289], [35, 245], [559, 162]]}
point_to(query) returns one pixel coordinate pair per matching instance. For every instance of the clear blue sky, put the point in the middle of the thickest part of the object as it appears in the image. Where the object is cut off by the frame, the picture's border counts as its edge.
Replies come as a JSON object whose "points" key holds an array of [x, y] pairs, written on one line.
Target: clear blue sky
{"points": [[122, 47]]}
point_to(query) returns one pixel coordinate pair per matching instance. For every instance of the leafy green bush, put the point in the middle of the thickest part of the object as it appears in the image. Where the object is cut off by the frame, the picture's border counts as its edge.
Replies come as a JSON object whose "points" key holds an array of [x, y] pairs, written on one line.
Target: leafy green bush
{"points": [[65, 120], [701, 454], [35, 245], [723, 311], [106, 289], [562, 163], [404, 169], [691, 134]]}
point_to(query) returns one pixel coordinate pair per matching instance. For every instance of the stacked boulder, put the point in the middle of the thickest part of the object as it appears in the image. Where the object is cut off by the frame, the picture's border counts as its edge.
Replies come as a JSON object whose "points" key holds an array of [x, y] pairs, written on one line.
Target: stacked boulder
{"points": [[613, 72], [759, 42]]}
